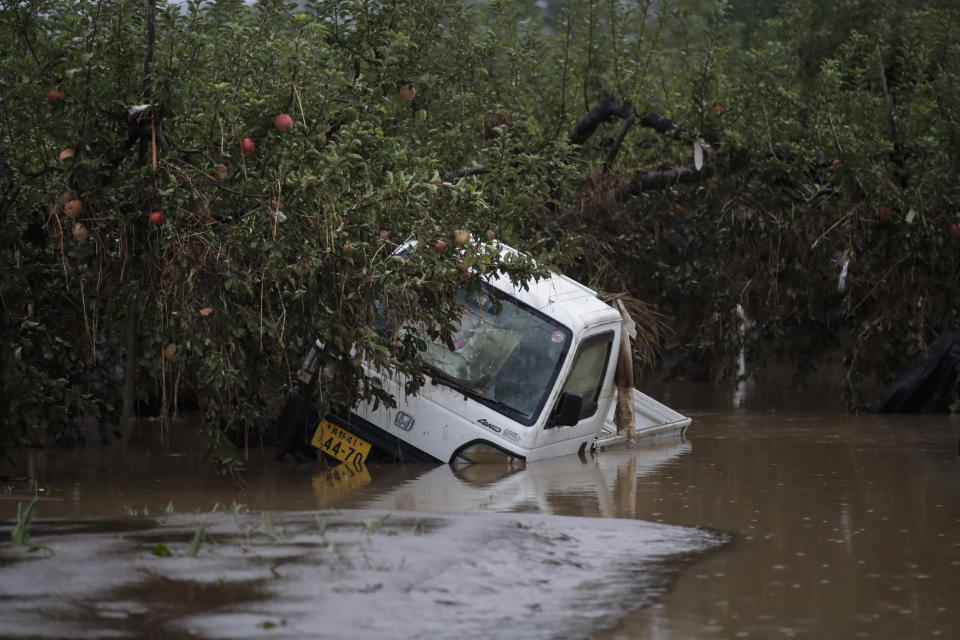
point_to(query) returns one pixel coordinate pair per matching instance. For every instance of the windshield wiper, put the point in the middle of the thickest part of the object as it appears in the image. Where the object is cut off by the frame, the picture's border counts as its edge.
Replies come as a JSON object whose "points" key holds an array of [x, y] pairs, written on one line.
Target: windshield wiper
{"points": [[497, 403], [438, 378]]}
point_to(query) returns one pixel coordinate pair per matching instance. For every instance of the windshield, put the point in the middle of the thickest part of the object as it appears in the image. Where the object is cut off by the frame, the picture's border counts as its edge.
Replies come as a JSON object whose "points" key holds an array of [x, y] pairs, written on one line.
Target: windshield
{"points": [[505, 354]]}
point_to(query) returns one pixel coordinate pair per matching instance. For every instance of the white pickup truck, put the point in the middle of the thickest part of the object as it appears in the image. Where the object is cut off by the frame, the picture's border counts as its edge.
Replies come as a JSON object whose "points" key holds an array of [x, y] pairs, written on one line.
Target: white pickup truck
{"points": [[530, 376]]}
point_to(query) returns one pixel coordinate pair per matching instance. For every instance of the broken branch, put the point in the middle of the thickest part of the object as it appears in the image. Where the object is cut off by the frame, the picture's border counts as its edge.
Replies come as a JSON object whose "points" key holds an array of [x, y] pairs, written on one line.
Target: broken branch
{"points": [[607, 108]]}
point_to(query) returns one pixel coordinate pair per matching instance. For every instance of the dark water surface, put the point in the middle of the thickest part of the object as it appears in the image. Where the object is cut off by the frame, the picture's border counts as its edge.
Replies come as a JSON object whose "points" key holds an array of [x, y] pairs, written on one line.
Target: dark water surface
{"points": [[842, 527]]}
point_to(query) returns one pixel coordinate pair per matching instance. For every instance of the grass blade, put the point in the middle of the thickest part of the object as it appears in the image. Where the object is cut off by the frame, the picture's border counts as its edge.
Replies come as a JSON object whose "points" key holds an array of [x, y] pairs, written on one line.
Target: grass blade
{"points": [[197, 541], [21, 532]]}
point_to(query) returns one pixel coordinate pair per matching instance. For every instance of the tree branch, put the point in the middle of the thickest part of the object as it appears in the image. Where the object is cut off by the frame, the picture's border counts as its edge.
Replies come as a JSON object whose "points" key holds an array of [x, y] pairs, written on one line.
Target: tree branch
{"points": [[607, 108], [466, 172], [149, 16], [657, 122], [659, 179], [615, 148]]}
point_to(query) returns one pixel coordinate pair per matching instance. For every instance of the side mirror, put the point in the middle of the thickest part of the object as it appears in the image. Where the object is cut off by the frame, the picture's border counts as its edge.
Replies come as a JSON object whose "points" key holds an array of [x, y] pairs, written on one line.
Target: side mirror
{"points": [[568, 410]]}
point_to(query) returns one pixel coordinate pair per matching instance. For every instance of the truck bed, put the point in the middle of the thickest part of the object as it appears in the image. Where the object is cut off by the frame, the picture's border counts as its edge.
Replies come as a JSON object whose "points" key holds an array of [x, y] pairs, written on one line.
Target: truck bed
{"points": [[651, 420]]}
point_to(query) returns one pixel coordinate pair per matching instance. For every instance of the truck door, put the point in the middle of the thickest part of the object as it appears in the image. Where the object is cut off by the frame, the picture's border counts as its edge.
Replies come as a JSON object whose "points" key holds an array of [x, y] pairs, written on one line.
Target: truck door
{"points": [[591, 367]]}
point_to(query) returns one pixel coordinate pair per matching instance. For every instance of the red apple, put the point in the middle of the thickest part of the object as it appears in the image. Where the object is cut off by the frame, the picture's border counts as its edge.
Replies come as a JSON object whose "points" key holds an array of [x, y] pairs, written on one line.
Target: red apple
{"points": [[220, 171], [440, 246], [283, 123], [247, 146], [407, 93], [384, 234], [65, 154], [884, 213], [718, 110], [837, 164], [73, 208], [677, 210], [955, 230], [55, 95], [157, 217], [462, 237]]}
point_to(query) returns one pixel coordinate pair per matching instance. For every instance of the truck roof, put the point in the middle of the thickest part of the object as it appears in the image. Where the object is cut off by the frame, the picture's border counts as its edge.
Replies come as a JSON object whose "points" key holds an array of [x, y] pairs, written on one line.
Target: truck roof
{"points": [[558, 296]]}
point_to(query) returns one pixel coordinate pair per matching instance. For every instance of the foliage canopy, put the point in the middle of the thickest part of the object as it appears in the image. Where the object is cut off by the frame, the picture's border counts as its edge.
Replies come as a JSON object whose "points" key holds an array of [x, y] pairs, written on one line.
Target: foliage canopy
{"points": [[829, 145]]}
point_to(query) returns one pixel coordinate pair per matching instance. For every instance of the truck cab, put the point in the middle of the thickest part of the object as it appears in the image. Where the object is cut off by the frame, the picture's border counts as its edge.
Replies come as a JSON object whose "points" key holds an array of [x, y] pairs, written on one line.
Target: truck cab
{"points": [[529, 375]]}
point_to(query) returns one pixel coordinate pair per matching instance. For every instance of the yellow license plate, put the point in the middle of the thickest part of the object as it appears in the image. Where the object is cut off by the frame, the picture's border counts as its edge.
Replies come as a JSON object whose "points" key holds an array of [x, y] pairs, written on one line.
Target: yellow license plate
{"points": [[340, 443]]}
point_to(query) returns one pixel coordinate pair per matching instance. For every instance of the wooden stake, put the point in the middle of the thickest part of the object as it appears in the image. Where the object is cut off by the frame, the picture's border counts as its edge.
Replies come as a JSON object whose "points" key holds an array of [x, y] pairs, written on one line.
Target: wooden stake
{"points": [[623, 417]]}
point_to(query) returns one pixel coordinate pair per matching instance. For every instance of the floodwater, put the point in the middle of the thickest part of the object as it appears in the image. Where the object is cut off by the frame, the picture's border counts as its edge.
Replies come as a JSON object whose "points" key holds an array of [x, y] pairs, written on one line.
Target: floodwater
{"points": [[823, 526]]}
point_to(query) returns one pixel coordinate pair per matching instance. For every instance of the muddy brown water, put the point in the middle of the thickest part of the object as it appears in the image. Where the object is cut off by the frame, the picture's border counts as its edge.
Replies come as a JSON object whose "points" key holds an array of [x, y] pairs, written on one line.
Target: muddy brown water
{"points": [[841, 527]]}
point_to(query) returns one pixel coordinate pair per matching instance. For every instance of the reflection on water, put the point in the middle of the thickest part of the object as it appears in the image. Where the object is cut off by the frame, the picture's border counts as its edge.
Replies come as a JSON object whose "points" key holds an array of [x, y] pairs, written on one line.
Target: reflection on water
{"points": [[589, 486], [842, 527], [332, 485]]}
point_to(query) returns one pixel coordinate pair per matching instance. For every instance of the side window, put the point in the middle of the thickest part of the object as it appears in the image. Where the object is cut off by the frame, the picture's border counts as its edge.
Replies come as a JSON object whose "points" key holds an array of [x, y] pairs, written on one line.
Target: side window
{"points": [[589, 367]]}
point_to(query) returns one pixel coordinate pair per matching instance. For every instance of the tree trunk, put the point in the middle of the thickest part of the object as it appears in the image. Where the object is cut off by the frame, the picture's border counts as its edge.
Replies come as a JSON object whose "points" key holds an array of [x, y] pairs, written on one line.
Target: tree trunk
{"points": [[130, 366], [129, 411]]}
